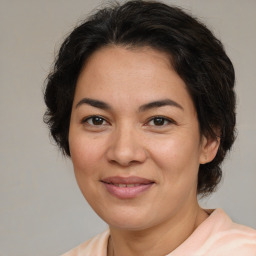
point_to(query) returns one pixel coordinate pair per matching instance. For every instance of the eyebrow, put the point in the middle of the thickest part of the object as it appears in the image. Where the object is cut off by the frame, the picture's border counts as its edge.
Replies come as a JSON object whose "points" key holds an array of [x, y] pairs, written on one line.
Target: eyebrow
{"points": [[158, 104], [93, 103], [155, 104]]}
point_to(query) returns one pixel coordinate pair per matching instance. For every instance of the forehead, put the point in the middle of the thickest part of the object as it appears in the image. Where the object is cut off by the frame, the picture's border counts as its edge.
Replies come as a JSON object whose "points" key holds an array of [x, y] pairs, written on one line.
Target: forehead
{"points": [[133, 61], [137, 74]]}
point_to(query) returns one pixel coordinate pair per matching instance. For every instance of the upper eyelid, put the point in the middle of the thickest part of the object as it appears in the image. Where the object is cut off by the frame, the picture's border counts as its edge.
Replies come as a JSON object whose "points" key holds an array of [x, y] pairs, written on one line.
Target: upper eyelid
{"points": [[84, 119], [164, 117]]}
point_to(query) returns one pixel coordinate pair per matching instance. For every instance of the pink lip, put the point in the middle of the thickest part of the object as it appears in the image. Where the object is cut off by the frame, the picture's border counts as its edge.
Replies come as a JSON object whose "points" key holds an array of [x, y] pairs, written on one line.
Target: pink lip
{"points": [[112, 186]]}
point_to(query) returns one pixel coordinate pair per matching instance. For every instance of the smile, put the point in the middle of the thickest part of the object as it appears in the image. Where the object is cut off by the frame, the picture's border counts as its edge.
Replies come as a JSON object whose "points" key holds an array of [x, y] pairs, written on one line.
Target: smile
{"points": [[126, 187]]}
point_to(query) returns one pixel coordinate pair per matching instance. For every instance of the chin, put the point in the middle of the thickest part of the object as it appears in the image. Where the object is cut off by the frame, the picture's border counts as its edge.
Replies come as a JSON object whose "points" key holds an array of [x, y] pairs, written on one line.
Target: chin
{"points": [[130, 225], [128, 219]]}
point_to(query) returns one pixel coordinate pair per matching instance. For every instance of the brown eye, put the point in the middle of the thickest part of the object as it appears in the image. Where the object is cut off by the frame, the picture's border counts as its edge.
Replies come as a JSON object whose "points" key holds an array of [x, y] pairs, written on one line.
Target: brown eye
{"points": [[95, 121], [160, 121]]}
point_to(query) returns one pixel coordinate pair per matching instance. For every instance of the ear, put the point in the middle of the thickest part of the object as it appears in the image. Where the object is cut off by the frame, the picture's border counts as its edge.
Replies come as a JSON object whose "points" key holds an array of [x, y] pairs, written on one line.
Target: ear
{"points": [[209, 148]]}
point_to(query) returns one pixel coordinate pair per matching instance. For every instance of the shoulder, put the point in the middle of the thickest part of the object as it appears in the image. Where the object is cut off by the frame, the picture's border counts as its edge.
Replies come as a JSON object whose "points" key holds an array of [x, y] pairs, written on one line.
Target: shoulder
{"points": [[95, 246], [218, 235], [228, 238]]}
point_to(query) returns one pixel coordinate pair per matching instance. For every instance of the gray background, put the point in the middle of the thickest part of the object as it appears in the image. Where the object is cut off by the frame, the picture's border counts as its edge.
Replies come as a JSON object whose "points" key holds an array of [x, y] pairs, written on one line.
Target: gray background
{"points": [[41, 209]]}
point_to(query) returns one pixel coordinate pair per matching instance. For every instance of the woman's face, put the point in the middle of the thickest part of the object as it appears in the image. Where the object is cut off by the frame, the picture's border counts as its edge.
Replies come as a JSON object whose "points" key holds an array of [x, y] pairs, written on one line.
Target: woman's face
{"points": [[134, 138]]}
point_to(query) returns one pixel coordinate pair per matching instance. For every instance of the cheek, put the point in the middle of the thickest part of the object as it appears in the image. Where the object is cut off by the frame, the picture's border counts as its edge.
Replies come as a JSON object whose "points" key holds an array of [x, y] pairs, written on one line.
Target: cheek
{"points": [[176, 154], [85, 156], [178, 161], [85, 153]]}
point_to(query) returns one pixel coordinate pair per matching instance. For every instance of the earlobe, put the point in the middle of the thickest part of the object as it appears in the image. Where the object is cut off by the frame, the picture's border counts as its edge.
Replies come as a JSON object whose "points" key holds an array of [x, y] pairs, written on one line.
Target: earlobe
{"points": [[209, 149]]}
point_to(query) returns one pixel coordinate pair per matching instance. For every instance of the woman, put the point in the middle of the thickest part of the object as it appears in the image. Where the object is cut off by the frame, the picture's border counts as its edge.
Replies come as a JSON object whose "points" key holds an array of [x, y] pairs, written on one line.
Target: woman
{"points": [[141, 98]]}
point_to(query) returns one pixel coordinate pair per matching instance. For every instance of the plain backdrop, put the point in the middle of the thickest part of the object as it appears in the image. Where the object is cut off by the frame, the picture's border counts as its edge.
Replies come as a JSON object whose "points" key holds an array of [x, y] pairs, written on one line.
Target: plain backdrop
{"points": [[42, 211]]}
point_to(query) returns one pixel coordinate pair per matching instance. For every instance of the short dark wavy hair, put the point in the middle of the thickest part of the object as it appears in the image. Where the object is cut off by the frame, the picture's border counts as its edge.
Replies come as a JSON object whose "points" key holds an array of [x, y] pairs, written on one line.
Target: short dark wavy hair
{"points": [[195, 53]]}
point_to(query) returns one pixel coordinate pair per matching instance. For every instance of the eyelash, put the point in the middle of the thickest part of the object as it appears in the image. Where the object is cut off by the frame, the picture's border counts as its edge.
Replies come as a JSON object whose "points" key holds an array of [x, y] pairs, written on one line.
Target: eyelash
{"points": [[163, 121], [86, 120]]}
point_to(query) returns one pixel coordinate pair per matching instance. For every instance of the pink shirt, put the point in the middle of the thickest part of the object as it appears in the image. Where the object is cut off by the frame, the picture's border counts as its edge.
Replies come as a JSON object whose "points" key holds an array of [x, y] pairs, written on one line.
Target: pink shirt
{"points": [[216, 236]]}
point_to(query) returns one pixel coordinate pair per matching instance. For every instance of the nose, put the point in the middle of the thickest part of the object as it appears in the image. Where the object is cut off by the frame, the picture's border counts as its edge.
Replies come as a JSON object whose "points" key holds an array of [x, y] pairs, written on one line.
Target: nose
{"points": [[126, 147]]}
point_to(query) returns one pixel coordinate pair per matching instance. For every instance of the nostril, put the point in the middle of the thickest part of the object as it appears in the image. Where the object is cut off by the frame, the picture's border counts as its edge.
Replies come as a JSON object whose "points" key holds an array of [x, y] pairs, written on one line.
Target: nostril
{"points": [[126, 148]]}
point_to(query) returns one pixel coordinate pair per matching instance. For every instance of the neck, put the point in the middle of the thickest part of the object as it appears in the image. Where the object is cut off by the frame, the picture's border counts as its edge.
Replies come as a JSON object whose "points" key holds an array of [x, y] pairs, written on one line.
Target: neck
{"points": [[161, 239]]}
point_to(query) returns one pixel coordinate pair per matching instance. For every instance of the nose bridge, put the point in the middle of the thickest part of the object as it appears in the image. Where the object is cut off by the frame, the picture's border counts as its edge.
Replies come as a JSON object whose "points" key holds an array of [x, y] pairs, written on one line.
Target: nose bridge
{"points": [[126, 145], [126, 138]]}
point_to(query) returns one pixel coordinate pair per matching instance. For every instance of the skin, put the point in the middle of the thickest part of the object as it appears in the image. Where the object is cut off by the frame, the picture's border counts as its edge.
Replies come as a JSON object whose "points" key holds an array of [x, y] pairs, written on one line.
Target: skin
{"points": [[127, 140]]}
